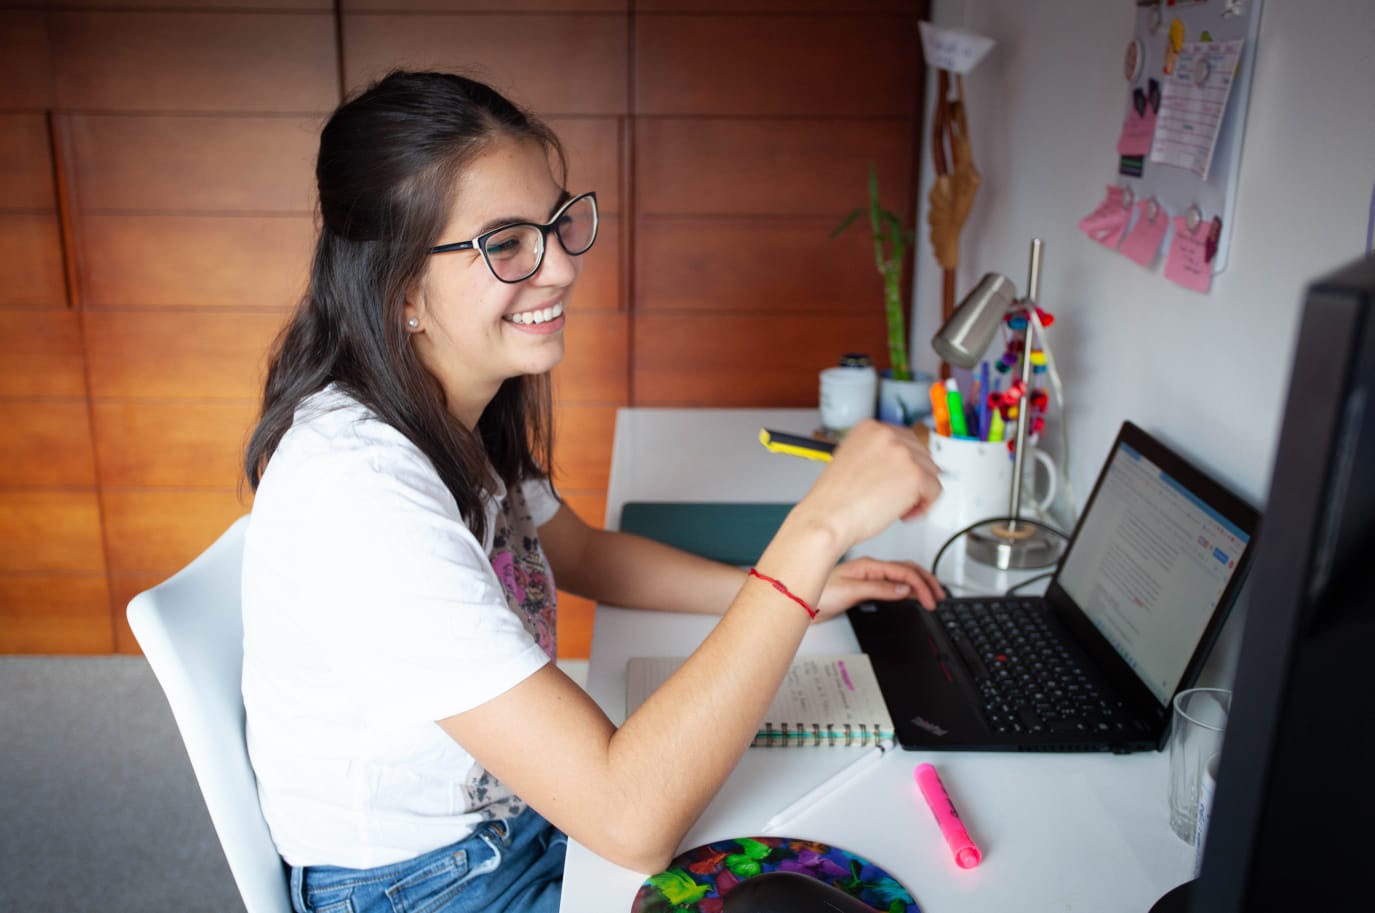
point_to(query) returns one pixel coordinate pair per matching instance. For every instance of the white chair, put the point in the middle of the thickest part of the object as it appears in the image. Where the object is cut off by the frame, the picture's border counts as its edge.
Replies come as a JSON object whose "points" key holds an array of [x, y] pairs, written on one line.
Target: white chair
{"points": [[190, 628]]}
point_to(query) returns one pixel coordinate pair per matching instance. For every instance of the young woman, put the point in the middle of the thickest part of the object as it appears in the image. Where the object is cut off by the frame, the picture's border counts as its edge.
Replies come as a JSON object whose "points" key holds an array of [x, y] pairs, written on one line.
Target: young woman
{"points": [[415, 745]]}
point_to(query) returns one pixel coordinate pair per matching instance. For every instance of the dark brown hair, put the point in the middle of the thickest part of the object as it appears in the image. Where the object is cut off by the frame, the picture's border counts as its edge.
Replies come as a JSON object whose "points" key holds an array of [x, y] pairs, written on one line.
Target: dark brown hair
{"points": [[386, 169]]}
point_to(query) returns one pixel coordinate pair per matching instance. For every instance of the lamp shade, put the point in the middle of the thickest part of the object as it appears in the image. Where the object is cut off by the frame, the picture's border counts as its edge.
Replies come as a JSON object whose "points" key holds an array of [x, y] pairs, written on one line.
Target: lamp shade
{"points": [[967, 334]]}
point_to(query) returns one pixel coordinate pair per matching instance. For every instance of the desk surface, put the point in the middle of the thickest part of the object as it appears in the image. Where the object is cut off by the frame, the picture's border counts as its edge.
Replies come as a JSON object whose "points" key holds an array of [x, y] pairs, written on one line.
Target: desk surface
{"points": [[1058, 832]]}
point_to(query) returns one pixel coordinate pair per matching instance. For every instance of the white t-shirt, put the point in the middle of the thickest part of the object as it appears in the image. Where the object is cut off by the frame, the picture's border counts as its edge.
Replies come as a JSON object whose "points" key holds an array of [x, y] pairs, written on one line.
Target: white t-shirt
{"points": [[370, 612]]}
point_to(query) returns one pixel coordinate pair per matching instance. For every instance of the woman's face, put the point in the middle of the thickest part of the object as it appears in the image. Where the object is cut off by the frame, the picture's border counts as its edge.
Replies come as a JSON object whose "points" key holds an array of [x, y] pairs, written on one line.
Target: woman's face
{"points": [[473, 331]]}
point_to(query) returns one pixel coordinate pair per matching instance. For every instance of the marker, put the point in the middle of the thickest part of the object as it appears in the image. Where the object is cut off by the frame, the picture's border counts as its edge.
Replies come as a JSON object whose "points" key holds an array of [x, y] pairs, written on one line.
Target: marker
{"points": [[940, 409], [795, 445], [952, 394], [967, 855], [984, 408], [871, 756]]}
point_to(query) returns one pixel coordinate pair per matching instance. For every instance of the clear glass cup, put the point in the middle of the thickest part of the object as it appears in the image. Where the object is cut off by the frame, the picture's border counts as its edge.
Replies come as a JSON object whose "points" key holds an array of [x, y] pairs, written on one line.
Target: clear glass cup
{"points": [[1196, 728]]}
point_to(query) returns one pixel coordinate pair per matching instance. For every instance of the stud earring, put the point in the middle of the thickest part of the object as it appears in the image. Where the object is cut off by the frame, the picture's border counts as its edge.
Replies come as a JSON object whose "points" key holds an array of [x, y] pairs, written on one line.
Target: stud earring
{"points": [[413, 323]]}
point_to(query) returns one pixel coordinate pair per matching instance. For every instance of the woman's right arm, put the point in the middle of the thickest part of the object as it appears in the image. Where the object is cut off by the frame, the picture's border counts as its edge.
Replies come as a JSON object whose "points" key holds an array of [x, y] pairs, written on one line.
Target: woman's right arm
{"points": [[630, 794]]}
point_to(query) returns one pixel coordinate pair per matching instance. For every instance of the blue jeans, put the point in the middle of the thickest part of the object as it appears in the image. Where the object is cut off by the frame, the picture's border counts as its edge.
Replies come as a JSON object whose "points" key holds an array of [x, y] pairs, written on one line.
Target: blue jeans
{"points": [[509, 865]]}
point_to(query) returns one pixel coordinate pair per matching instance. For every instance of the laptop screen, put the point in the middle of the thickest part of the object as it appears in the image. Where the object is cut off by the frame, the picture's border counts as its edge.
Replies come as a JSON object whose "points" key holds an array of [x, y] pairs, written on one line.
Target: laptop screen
{"points": [[1148, 565]]}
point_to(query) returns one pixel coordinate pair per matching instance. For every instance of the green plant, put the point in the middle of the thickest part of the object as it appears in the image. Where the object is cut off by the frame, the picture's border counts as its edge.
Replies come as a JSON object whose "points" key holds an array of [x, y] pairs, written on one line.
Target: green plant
{"points": [[892, 240]]}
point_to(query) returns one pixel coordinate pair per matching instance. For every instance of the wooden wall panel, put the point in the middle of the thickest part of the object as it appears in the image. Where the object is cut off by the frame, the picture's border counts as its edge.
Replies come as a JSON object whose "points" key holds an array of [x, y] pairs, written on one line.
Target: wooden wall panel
{"points": [[771, 6], [745, 264], [132, 261], [26, 180], [185, 5], [596, 350], [154, 530], [25, 70], [172, 444], [179, 355], [123, 588], [593, 148], [31, 265], [194, 163], [55, 614], [582, 451], [780, 65], [40, 353], [48, 531], [193, 61], [485, 6], [728, 166], [599, 286], [46, 443], [576, 614], [743, 360], [528, 57]]}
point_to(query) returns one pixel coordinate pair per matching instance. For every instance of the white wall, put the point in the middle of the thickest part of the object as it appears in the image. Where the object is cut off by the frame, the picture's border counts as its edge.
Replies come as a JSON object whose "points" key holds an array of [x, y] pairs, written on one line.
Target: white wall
{"points": [[1207, 374]]}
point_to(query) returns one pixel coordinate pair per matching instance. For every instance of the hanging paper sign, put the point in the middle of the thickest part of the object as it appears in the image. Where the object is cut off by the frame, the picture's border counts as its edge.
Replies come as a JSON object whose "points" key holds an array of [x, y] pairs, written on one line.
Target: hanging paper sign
{"points": [[1109, 219], [1143, 241], [1187, 262], [956, 50]]}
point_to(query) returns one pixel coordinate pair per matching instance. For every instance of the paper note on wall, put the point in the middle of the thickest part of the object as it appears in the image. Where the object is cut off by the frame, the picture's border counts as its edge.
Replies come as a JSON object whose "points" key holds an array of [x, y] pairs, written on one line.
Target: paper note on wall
{"points": [[1187, 261], [1108, 219], [1193, 102], [1143, 241]]}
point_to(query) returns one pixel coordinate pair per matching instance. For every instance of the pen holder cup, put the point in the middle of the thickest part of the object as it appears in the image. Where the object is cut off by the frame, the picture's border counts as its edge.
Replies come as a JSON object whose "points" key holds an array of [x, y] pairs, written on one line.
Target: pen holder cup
{"points": [[846, 397], [976, 481], [1196, 727]]}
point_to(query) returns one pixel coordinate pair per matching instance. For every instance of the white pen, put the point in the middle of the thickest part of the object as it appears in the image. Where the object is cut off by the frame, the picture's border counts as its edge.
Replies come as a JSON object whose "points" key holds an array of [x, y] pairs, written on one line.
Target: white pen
{"points": [[847, 773]]}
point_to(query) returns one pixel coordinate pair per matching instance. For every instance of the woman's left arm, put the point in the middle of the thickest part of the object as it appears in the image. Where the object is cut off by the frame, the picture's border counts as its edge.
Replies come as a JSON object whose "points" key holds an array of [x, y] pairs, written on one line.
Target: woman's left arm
{"points": [[627, 570]]}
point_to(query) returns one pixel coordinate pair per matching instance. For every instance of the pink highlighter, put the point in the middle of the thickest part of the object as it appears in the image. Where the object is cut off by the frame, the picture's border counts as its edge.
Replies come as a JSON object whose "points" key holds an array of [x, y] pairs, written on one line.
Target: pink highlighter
{"points": [[967, 855]]}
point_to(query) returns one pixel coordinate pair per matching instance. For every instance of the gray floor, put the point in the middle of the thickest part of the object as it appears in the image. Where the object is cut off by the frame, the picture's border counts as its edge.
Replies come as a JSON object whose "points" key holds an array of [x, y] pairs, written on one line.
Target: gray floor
{"points": [[99, 810]]}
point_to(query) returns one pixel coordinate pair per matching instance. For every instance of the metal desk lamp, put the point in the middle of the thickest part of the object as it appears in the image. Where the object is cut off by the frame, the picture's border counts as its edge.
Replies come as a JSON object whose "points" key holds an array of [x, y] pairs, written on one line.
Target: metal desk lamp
{"points": [[1004, 542]]}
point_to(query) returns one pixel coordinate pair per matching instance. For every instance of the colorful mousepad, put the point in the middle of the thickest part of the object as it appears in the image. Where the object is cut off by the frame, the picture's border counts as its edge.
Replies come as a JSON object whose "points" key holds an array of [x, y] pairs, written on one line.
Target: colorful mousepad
{"points": [[698, 880]]}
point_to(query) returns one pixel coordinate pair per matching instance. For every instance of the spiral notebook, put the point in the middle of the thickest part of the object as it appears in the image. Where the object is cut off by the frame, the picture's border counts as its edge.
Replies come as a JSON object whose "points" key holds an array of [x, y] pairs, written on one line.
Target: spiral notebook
{"points": [[824, 700]]}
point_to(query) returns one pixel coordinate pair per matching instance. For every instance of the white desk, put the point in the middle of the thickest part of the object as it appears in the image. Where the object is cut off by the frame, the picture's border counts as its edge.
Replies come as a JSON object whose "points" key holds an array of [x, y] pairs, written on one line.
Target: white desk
{"points": [[1058, 832]]}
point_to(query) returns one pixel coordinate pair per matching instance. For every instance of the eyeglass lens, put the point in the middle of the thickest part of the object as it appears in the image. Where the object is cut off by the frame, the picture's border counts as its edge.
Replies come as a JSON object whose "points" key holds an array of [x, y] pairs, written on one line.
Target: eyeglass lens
{"points": [[516, 252]]}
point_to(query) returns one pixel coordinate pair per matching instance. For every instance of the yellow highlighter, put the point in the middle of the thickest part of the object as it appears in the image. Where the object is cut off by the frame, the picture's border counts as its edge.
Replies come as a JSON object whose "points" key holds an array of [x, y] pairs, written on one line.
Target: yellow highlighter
{"points": [[796, 445]]}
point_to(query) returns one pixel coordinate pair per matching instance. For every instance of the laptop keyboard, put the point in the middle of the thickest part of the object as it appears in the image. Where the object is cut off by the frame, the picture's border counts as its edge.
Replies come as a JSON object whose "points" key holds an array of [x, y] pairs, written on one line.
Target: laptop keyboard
{"points": [[1027, 680]]}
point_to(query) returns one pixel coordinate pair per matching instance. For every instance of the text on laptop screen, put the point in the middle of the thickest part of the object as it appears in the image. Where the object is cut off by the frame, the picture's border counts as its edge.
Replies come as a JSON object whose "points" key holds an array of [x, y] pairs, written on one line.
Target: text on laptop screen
{"points": [[1148, 567]]}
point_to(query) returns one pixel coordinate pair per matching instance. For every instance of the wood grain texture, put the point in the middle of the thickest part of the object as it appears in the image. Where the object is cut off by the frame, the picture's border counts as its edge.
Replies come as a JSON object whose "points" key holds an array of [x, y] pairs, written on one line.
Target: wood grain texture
{"points": [[528, 57], [781, 265], [46, 443], [599, 286], [193, 61], [812, 167], [198, 163], [31, 266], [190, 445], [596, 351], [583, 435], [50, 531], [133, 261], [154, 531], [777, 65], [25, 61], [777, 6], [592, 146], [41, 613], [743, 359], [179, 355], [26, 166], [485, 6], [41, 353]]}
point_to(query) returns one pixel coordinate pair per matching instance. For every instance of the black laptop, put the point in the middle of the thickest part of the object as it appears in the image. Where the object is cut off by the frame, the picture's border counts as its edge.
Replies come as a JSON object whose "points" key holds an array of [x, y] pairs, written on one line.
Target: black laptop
{"points": [[1136, 602]]}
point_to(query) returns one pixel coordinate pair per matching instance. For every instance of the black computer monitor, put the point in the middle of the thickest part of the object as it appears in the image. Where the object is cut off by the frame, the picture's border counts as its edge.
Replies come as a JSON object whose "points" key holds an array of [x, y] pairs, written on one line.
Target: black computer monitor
{"points": [[1293, 818]]}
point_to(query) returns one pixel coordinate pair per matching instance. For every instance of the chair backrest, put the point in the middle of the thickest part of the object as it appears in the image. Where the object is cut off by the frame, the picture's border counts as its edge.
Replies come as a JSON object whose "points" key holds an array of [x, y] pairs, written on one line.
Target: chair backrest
{"points": [[190, 628]]}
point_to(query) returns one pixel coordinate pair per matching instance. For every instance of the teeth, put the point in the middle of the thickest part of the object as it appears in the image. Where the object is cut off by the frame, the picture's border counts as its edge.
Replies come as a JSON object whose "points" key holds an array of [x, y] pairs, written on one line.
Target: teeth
{"points": [[530, 318]]}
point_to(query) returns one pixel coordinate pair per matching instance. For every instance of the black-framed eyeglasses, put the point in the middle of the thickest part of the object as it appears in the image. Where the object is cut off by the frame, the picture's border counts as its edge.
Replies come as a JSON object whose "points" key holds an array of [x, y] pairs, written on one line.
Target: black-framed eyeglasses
{"points": [[514, 252]]}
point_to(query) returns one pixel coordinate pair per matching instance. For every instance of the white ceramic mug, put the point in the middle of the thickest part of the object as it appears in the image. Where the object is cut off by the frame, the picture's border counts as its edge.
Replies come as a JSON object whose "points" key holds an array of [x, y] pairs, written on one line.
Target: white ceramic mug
{"points": [[976, 481], [848, 395]]}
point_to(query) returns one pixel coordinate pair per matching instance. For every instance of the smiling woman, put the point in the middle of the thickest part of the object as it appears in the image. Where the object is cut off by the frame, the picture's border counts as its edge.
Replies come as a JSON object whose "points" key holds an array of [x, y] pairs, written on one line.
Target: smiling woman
{"points": [[398, 583]]}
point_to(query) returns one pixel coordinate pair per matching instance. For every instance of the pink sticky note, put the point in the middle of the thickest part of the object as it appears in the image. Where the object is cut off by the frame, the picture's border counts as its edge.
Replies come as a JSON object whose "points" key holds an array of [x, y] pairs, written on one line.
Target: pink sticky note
{"points": [[1142, 243], [1107, 221], [1187, 261], [1137, 132]]}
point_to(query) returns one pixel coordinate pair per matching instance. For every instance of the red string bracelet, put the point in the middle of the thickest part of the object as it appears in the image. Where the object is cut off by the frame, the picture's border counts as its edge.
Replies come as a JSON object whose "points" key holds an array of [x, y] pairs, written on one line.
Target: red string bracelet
{"points": [[778, 585]]}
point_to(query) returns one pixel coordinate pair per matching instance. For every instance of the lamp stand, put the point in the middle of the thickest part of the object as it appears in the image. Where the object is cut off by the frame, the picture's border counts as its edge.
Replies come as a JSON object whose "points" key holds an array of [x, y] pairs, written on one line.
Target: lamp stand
{"points": [[1010, 543]]}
